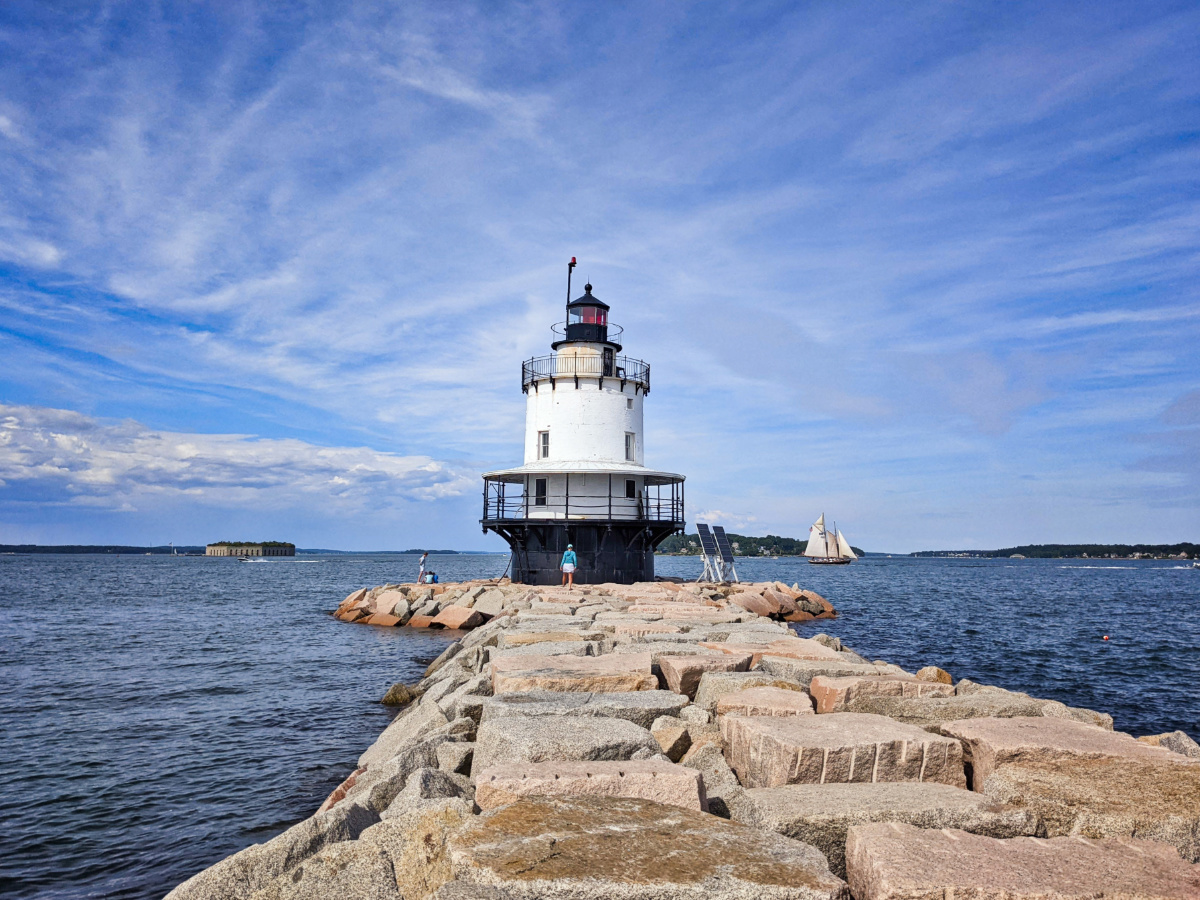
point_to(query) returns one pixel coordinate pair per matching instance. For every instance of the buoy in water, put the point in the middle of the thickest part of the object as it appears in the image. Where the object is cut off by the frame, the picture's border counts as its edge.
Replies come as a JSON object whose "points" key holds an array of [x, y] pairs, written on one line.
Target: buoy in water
{"points": [[1106, 637]]}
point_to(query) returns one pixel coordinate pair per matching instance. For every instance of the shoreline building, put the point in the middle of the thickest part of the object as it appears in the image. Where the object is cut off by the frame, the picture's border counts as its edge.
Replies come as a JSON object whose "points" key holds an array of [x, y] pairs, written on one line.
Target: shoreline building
{"points": [[584, 481], [240, 548]]}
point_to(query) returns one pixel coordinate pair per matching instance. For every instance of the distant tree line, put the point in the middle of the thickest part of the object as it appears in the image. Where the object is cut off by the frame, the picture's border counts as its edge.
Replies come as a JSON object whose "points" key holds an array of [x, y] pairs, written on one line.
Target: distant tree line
{"points": [[93, 548], [771, 545], [1066, 551]]}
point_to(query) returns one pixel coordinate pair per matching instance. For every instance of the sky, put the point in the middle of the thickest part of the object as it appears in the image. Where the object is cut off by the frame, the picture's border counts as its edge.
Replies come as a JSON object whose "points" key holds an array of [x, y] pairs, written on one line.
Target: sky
{"points": [[269, 270]]}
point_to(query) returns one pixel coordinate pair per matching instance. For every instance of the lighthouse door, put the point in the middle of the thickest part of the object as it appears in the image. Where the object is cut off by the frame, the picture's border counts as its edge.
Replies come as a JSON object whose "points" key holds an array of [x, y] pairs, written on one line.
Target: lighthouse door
{"points": [[608, 362]]}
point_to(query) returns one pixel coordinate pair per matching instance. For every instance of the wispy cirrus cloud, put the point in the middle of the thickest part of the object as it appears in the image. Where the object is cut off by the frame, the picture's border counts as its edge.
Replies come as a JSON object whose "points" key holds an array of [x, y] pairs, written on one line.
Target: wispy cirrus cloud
{"points": [[899, 268]]}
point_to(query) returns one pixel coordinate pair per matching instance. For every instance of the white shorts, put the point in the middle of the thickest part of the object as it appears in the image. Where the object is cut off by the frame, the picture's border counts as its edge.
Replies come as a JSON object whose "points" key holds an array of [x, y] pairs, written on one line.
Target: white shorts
{"points": [[568, 568]]}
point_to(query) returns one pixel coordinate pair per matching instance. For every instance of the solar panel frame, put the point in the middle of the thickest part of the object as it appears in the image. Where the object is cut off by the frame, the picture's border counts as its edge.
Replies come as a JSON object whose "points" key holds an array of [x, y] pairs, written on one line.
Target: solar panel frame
{"points": [[723, 545], [707, 542]]}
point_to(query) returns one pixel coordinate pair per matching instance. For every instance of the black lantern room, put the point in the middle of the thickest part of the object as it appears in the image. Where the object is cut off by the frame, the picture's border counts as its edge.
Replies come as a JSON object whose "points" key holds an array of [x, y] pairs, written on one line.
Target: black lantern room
{"points": [[587, 319]]}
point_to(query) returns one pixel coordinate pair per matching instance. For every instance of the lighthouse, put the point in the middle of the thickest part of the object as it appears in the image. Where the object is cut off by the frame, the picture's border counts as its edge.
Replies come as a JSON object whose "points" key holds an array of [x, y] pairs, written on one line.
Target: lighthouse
{"points": [[584, 481]]}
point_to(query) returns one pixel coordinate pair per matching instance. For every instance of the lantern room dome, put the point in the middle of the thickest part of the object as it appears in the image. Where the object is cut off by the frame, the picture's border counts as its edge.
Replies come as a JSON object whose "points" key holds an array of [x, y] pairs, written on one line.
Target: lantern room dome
{"points": [[588, 299]]}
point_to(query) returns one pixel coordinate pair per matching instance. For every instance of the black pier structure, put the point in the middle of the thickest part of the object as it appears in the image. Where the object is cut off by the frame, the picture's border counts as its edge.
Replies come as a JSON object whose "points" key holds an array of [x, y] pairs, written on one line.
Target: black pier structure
{"points": [[613, 544]]}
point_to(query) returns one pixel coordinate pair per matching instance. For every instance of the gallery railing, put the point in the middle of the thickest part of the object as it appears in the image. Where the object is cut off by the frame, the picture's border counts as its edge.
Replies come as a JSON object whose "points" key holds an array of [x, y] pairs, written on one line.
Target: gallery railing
{"points": [[507, 501], [551, 368]]}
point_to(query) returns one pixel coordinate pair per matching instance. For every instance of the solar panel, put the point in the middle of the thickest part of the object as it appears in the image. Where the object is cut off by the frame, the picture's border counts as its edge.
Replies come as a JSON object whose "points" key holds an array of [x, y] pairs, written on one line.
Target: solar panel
{"points": [[723, 544], [707, 544]]}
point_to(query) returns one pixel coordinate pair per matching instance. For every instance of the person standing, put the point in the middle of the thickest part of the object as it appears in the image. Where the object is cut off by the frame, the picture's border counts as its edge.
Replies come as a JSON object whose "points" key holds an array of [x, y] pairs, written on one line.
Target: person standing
{"points": [[567, 566], [421, 571]]}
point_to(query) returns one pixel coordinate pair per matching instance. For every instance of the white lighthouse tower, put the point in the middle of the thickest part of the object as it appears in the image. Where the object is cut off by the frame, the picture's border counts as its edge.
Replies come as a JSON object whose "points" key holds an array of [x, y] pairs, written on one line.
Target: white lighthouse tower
{"points": [[584, 481]]}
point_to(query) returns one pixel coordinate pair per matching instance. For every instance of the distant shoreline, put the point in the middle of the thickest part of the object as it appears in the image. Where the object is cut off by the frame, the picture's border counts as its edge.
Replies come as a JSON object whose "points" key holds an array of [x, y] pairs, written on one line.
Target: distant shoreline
{"points": [[119, 550]]}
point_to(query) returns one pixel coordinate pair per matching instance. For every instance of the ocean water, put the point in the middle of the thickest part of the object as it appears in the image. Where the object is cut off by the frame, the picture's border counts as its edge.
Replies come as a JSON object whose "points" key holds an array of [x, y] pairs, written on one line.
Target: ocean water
{"points": [[158, 713]]}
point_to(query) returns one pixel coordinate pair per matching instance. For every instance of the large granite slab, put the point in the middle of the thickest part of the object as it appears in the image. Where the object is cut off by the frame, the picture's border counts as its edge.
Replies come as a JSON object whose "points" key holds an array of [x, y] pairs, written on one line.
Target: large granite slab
{"points": [[648, 779], [803, 671], [715, 685], [837, 747], [612, 672], [901, 862], [683, 673], [833, 693], [765, 701], [521, 739], [639, 707], [821, 814], [633, 850], [991, 742], [1106, 797]]}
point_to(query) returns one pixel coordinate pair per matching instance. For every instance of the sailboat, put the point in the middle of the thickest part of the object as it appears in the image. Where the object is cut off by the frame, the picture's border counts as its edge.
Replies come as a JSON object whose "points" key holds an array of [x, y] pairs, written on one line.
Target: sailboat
{"points": [[828, 548]]}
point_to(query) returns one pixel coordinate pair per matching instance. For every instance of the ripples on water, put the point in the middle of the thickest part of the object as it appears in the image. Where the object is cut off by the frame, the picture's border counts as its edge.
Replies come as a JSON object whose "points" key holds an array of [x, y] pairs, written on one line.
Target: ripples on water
{"points": [[161, 713]]}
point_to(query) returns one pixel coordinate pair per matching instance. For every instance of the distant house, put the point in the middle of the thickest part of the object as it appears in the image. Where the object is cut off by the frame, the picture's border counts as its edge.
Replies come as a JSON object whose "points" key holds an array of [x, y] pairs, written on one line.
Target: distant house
{"points": [[245, 548]]}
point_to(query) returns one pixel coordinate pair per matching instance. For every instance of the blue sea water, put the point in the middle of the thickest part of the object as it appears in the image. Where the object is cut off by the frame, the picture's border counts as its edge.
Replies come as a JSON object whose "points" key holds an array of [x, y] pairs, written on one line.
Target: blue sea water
{"points": [[159, 713]]}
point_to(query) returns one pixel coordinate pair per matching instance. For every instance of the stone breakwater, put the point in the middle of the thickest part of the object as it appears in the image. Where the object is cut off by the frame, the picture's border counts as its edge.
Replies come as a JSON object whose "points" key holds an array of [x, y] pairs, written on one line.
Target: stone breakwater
{"points": [[665, 741]]}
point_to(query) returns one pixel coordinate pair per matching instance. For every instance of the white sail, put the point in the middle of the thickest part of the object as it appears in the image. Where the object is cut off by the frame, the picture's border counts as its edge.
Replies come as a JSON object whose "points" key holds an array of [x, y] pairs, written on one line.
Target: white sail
{"points": [[843, 547], [818, 544]]}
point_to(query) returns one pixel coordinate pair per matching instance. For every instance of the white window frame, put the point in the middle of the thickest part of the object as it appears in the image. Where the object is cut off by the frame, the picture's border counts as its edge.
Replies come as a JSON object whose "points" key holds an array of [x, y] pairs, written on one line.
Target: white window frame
{"points": [[543, 451], [630, 446]]}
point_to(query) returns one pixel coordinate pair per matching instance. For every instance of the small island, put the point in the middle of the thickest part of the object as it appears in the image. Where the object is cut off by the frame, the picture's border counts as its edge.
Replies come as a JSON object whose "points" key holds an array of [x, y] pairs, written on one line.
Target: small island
{"points": [[250, 548]]}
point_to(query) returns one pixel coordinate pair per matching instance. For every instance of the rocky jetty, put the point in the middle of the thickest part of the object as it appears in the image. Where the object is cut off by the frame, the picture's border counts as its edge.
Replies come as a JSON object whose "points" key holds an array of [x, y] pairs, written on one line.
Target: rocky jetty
{"points": [[663, 740]]}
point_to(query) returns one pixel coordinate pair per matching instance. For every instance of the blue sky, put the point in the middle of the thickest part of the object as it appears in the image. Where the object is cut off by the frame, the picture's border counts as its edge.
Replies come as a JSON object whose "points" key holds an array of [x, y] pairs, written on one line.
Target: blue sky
{"points": [[269, 270]]}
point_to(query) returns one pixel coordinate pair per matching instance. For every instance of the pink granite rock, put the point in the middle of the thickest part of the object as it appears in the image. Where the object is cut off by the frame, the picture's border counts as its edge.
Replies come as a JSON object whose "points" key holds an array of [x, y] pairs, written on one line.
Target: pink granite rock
{"points": [[459, 617], [637, 629], [891, 861], [596, 674], [382, 619], [782, 602], [675, 740], [647, 779], [387, 601], [683, 673], [352, 601], [992, 742], [751, 603], [837, 747], [509, 640], [733, 648], [835, 693], [765, 701]]}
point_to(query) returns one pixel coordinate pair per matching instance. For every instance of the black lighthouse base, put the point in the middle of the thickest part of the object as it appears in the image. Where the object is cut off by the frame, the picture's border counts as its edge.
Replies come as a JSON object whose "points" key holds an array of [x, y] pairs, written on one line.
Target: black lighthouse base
{"points": [[619, 551]]}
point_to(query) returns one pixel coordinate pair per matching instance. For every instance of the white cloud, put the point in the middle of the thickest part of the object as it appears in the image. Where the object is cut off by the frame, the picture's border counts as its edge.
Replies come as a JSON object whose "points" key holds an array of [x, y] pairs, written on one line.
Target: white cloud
{"points": [[55, 455]]}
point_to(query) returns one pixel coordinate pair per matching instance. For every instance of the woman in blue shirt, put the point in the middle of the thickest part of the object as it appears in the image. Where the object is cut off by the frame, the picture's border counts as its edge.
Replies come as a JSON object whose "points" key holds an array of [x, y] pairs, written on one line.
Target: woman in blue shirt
{"points": [[567, 566]]}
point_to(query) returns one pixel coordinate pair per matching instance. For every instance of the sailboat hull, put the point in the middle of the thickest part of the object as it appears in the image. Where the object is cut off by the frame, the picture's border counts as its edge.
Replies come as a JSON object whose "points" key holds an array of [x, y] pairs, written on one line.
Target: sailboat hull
{"points": [[830, 561]]}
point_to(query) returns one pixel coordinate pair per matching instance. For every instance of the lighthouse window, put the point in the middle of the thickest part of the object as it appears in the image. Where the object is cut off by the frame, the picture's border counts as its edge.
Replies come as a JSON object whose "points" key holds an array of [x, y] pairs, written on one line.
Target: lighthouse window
{"points": [[588, 315], [543, 445], [630, 489], [629, 445], [629, 403], [539, 492]]}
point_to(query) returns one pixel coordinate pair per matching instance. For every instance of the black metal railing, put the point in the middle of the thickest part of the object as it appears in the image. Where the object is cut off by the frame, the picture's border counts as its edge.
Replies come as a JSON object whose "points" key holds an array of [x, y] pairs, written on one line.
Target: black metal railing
{"points": [[508, 501], [550, 368]]}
